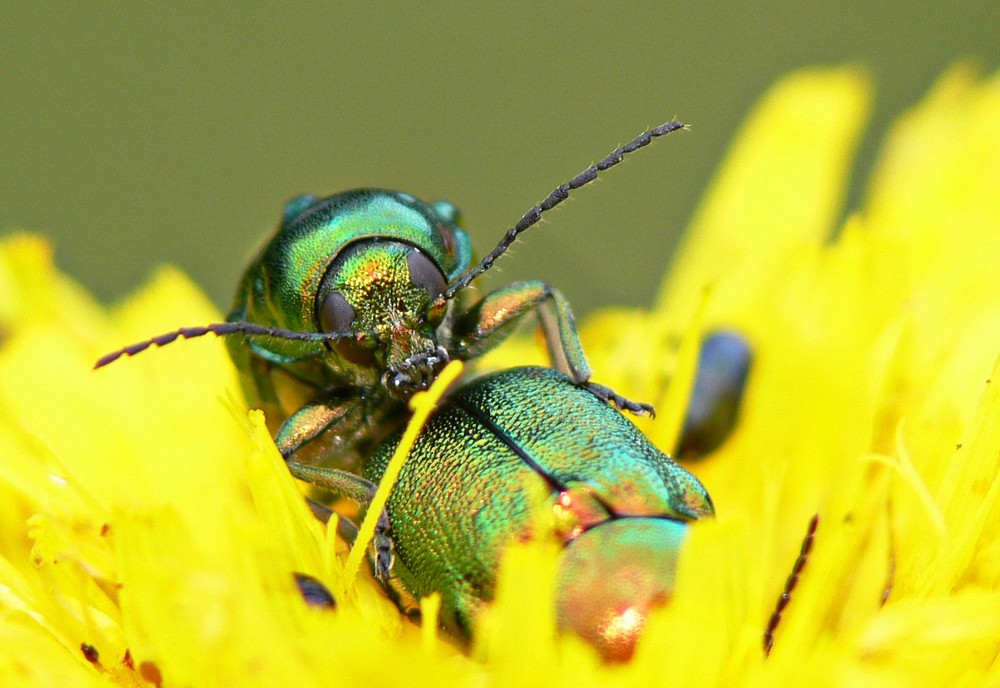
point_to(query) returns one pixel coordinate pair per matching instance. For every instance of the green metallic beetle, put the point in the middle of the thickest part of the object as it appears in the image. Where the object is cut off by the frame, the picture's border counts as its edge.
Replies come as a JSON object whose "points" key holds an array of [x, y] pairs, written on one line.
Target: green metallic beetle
{"points": [[495, 452], [356, 304], [464, 493]]}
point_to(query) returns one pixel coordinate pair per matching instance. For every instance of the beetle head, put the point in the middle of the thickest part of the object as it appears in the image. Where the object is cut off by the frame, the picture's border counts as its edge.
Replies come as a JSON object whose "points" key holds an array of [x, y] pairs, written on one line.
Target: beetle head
{"points": [[386, 292]]}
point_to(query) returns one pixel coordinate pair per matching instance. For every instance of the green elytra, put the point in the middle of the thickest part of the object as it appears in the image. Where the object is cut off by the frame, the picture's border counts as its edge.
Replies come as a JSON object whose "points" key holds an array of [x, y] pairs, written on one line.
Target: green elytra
{"points": [[497, 456], [465, 493]]}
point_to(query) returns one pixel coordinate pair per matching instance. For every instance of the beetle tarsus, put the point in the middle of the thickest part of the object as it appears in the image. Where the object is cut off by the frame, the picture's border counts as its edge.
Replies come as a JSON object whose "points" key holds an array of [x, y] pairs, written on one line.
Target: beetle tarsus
{"points": [[415, 373], [382, 544], [609, 395]]}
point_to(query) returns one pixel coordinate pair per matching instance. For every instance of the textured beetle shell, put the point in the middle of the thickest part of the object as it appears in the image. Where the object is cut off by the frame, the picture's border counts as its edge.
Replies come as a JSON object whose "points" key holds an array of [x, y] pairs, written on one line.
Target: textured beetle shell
{"points": [[463, 493], [280, 286]]}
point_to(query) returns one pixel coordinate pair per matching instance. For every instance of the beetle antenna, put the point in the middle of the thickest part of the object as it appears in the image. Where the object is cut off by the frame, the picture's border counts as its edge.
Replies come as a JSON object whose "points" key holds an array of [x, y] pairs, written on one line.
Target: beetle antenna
{"points": [[558, 195], [220, 329], [790, 583]]}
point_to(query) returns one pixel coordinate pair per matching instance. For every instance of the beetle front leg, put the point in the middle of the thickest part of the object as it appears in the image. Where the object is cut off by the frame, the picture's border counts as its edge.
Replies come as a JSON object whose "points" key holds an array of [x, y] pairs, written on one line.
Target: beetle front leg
{"points": [[346, 419], [492, 320], [361, 492], [339, 415]]}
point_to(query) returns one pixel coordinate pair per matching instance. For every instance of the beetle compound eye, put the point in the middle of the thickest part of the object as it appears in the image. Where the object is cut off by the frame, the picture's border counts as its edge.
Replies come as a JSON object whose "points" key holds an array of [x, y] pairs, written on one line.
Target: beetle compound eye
{"points": [[424, 273], [337, 315]]}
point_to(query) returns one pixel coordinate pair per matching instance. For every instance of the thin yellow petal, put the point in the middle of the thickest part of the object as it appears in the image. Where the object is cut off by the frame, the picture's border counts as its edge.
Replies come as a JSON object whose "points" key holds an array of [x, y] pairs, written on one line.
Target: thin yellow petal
{"points": [[781, 187]]}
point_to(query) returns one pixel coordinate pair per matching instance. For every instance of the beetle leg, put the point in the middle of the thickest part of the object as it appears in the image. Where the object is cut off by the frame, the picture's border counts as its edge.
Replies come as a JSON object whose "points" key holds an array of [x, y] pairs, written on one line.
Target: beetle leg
{"points": [[348, 532], [492, 320], [618, 401], [342, 422], [346, 528], [361, 492], [340, 415]]}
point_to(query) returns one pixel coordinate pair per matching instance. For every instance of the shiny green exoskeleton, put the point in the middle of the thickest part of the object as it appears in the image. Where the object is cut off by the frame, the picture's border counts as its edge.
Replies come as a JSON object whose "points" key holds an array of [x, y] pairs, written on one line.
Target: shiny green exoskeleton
{"points": [[466, 491], [357, 302]]}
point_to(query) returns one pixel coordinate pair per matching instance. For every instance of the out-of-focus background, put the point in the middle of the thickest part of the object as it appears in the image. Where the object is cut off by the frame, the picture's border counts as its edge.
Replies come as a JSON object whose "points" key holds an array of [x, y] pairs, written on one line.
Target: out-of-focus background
{"points": [[141, 133]]}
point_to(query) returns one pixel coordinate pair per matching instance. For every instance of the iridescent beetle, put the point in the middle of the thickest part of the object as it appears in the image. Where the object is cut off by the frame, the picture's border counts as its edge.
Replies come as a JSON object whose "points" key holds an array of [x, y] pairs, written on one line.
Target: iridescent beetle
{"points": [[353, 306], [618, 505]]}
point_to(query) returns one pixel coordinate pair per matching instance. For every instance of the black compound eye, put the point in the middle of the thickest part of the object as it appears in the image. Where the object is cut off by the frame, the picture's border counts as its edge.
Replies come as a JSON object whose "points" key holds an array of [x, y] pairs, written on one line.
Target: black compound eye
{"points": [[424, 273], [336, 315]]}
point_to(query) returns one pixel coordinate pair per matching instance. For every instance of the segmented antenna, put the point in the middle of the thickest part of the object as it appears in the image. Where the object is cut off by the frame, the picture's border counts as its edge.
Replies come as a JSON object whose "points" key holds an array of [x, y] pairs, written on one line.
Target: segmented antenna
{"points": [[558, 195], [790, 583], [220, 329]]}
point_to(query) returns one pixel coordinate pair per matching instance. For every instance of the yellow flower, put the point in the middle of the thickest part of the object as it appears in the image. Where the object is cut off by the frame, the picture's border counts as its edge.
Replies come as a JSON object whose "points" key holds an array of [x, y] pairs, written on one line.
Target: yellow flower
{"points": [[149, 529]]}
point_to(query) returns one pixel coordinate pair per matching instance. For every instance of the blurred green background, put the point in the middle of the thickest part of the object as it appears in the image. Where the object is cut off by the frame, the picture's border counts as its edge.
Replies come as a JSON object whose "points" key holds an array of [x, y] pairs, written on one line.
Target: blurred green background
{"points": [[141, 133]]}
